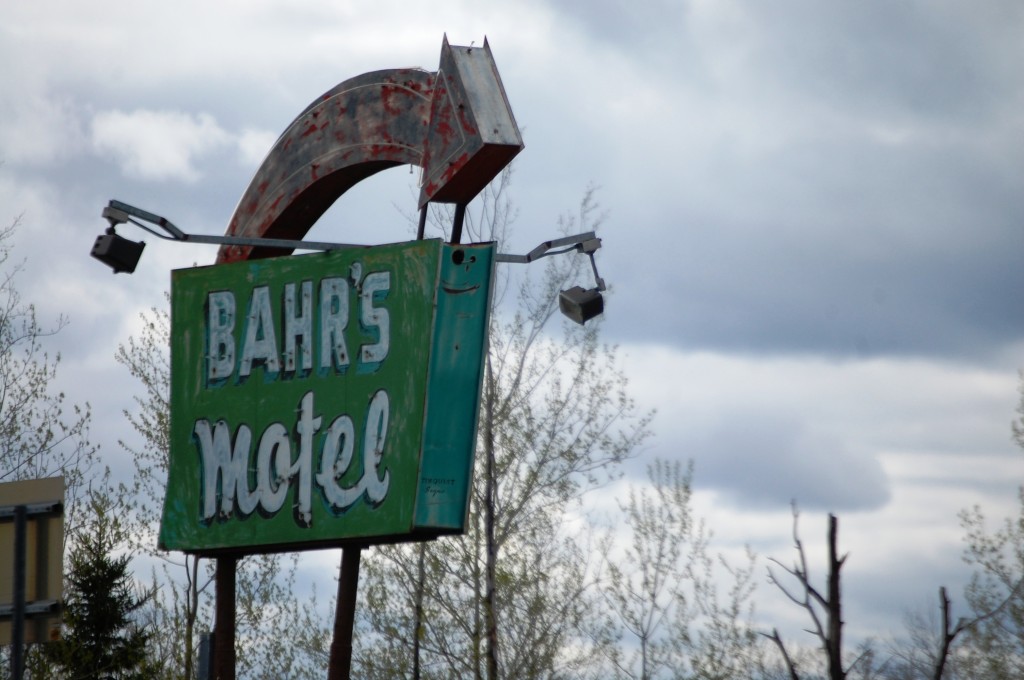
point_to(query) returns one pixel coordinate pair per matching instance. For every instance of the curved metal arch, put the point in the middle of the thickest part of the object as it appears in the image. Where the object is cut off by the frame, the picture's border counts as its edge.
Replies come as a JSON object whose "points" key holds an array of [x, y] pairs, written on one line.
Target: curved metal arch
{"points": [[366, 124], [455, 123]]}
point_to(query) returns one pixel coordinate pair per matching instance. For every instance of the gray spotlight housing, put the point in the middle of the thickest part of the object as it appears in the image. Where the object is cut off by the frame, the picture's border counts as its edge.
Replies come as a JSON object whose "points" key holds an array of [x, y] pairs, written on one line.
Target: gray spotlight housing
{"points": [[117, 252], [581, 305]]}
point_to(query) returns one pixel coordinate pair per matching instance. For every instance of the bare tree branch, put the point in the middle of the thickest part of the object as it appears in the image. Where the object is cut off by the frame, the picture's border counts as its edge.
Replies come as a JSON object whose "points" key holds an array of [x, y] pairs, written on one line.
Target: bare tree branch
{"points": [[790, 666], [825, 611]]}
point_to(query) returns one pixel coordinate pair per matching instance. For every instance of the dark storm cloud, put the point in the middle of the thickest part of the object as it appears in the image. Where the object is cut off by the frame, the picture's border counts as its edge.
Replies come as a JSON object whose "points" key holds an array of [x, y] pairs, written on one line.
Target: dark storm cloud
{"points": [[935, 59], [915, 252], [865, 202]]}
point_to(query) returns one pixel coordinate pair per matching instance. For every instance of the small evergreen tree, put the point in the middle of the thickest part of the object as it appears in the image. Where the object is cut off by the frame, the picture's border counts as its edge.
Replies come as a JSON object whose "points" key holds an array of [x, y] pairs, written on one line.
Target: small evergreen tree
{"points": [[100, 639]]}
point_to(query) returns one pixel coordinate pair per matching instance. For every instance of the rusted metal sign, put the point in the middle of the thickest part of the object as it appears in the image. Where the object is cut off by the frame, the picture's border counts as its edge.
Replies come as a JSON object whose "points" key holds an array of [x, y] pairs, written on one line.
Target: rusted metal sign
{"points": [[455, 123]]}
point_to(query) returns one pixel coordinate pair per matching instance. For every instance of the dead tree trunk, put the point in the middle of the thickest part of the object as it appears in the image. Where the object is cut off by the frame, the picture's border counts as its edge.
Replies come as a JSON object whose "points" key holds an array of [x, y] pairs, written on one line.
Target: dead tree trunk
{"points": [[834, 604], [825, 611]]}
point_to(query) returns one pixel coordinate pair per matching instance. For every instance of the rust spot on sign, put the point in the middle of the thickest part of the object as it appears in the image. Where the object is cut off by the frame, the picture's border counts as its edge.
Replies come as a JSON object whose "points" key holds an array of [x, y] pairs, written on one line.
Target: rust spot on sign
{"points": [[375, 121]]}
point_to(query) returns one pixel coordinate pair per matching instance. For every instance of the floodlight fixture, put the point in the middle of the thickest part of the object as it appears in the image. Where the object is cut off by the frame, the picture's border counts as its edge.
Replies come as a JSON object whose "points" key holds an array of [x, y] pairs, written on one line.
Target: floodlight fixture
{"points": [[581, 304], [577, 303], [117, 252]]}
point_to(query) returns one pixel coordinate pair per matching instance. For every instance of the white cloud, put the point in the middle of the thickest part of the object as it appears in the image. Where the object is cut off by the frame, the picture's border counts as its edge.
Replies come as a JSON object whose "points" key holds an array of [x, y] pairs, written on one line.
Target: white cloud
{"points": [[157, 145], [763, 429], [38, 128], [254, 145], [932, 436]]}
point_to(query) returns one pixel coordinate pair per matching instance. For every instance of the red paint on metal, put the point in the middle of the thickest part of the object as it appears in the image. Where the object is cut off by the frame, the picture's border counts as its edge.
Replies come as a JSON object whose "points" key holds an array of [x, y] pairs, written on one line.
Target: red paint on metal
{"points": [[467, 123], [362, 126], [454, 166], [445, 131], [388, 99], [367, 124]]}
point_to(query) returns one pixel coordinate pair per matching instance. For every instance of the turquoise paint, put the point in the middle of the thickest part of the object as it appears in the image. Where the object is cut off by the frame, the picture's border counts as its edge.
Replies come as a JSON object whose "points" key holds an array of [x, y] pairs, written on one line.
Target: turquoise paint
{"points": [[453, 386]]}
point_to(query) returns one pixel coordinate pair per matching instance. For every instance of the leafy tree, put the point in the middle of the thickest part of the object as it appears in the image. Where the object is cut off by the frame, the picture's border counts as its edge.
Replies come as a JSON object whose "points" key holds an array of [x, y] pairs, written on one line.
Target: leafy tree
{"points": [[992, 640], [176, 607], [664, 616], [101, 638], [994, 647], [510, 597], [40, 436]]}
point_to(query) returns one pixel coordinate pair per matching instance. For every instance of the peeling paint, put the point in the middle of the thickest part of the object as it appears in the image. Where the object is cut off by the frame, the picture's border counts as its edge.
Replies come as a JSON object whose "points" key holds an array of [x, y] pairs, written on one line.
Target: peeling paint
{"points": [[375, 121]]}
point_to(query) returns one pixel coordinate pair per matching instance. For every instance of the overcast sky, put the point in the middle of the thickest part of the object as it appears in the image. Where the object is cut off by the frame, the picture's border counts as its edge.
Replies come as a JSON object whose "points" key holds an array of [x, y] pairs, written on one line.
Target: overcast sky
{"points": [[814, 232]]}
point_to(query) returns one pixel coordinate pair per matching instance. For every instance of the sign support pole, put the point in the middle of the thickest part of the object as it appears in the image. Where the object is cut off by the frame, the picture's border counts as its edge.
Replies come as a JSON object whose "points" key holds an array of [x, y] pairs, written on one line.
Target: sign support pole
{"points": [[224, 619], [20, 567], [340, 664], [460, 216]]}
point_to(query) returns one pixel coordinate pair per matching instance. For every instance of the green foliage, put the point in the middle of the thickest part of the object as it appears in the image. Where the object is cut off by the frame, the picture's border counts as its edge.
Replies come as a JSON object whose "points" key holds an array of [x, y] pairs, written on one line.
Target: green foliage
{"points": [[279, 635], [664, 616], [556, 421], [147, 359], [179, 583], [38, 436], [509, 599], [994, 646], [101, 639]]}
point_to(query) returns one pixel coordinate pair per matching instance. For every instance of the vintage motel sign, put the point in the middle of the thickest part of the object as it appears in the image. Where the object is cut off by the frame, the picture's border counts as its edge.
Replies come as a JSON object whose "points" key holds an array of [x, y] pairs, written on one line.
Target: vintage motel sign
{"points": [[325, 399]]}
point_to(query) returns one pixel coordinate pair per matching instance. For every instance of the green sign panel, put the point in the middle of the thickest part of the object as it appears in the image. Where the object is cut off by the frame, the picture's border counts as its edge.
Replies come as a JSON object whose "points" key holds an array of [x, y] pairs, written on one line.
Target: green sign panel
{"points": [[327, 398]]}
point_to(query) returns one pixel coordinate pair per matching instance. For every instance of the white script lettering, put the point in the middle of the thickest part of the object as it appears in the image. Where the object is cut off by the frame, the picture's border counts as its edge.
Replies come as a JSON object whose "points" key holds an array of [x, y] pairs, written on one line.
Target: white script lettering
{"points": [[276, 467]]}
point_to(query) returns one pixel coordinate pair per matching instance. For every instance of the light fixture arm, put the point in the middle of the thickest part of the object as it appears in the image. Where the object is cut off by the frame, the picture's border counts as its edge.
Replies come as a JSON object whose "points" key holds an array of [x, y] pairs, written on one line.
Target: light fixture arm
{"points": [[117, 212], [122, 255], [586, 243]]}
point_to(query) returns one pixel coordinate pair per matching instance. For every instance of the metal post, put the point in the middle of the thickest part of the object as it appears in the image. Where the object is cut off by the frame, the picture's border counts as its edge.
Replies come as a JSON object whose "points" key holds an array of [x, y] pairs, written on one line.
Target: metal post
{"points": [[20, 567], [224, 625], [460, 216], [422, 226], [340, 664], [418, 626], [206, 647]]}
